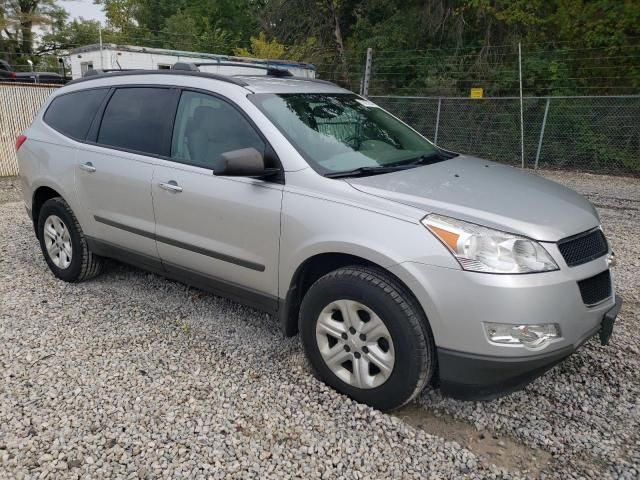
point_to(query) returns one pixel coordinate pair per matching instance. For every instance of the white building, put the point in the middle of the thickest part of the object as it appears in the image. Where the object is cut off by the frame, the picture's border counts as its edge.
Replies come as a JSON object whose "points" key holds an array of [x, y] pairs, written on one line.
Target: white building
{"points": [[125, 57]]}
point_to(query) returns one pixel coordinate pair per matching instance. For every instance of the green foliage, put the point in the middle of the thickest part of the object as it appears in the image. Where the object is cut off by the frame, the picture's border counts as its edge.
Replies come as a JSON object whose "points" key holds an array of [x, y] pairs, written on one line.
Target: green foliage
{"points": [[439, 47], [17, 22], [262, 48], [423, 48], [443, 46], [206, 26], [185, 32]]}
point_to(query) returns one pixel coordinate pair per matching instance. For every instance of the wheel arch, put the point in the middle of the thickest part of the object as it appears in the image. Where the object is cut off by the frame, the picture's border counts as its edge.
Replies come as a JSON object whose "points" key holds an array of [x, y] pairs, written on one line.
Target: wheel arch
{"points": [[311, 270], [40, 196]]}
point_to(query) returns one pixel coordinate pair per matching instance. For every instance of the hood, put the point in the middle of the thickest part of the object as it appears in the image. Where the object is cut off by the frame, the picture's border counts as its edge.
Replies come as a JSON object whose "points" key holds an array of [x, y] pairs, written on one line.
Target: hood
{"points": [[487, 193]]}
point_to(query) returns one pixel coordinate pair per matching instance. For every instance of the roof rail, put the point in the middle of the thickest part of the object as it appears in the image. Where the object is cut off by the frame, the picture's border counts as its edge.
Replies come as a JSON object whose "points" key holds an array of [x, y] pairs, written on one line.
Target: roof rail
{"points": [[271, 71], [95, 74], [99, 71]]}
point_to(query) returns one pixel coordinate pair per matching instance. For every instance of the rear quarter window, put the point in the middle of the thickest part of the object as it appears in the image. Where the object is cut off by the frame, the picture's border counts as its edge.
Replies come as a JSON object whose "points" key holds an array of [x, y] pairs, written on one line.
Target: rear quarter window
{"points": [[72, 113]]}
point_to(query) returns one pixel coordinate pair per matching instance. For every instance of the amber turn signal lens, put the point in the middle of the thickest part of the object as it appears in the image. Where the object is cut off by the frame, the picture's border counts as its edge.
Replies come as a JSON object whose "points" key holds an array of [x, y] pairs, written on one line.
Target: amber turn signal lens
{"points": [[448, 238]]}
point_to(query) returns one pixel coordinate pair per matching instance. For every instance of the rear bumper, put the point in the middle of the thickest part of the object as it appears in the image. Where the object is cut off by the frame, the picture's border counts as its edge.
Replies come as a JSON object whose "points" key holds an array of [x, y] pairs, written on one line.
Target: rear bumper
{"points": [[481, 377]]}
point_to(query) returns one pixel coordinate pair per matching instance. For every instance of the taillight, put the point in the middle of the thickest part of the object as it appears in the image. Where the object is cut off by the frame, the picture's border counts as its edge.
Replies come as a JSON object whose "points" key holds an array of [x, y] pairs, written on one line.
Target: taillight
{"points": [[19, 141], [12, 75]]}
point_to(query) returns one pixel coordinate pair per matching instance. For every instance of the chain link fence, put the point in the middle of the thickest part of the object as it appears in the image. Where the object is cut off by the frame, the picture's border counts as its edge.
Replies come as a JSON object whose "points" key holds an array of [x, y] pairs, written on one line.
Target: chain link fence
{"points": [[588, 133], [600, 134]]}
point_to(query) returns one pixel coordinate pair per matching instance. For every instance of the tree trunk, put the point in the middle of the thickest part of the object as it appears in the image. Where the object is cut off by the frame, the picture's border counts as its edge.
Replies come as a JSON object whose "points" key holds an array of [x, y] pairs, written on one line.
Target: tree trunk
{"points": [[26, 28], [337, 33], [26, 10]]}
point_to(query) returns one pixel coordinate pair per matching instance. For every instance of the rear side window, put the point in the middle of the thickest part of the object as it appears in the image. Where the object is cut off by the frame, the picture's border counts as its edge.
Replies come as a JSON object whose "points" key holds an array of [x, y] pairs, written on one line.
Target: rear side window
{"points": [[139, 119], [72, 113]]}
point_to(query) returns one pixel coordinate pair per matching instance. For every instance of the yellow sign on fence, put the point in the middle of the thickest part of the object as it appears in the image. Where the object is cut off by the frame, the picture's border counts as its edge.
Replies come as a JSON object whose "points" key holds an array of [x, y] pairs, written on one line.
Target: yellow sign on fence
{"points": [[476, 93]]}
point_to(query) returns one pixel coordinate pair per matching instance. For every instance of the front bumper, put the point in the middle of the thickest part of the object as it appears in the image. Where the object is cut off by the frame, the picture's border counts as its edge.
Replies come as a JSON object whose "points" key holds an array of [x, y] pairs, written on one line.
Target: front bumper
{"points": [[480, 377], [457, 304]]}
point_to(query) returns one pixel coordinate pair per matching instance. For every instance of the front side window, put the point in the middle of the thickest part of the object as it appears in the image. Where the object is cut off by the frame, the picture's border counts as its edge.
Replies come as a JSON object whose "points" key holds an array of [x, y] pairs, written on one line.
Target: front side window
{"points": [[206, 127], [138, 119], [342, 133], [72, 113]]}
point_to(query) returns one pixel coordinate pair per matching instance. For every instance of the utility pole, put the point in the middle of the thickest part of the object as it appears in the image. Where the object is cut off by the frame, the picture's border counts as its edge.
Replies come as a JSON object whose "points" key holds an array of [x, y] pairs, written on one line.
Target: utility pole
{"points": [[100, 35]]}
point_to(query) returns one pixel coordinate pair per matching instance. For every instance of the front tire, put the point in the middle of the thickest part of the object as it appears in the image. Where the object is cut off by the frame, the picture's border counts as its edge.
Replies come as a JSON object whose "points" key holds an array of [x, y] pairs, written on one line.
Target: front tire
{"points": [[365, 336], [63, 243]]}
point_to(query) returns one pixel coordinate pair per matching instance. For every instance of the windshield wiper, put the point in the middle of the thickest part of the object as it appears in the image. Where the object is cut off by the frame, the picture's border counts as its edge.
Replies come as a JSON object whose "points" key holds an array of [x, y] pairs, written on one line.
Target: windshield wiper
{"points": [[424, 159], [362, 171], [427, 159]]}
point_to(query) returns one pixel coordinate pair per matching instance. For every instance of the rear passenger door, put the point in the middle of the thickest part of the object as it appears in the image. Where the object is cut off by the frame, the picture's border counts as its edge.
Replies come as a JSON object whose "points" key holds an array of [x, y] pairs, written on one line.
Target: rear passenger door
{"points": [[223, 230], [115, 167]]}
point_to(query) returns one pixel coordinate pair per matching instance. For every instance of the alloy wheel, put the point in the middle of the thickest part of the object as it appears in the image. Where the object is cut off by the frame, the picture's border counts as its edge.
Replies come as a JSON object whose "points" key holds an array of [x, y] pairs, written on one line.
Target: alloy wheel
{"points": [[57, 240]]}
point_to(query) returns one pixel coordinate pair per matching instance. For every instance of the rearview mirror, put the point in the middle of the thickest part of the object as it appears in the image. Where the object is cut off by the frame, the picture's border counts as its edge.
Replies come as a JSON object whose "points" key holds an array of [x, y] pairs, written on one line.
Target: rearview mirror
{"points": [[245, 162]]}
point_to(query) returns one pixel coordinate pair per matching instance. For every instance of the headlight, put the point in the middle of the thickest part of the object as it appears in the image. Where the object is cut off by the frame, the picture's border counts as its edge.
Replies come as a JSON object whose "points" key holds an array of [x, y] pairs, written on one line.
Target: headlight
{"points": [[531, 336], [482, 249]]}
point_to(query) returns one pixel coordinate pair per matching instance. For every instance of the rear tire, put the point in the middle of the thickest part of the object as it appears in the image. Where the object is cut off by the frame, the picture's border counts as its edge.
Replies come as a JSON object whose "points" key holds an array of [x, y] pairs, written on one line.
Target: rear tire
{"points": [[63, 243], [388, 368]]}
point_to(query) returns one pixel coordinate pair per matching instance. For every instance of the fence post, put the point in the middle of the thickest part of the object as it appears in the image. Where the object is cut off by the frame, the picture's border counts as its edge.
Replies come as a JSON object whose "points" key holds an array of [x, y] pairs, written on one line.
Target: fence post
{"points": [[435, 136], [367, 73], [521, 106], [544, 123]]}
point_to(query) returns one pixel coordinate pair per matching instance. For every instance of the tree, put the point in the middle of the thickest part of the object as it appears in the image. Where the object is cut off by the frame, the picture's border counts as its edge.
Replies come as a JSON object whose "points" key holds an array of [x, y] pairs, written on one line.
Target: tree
{"points": [[186, 32], [121, 14], [214, 26], [17, 21], [262, 48], [71, 34]]}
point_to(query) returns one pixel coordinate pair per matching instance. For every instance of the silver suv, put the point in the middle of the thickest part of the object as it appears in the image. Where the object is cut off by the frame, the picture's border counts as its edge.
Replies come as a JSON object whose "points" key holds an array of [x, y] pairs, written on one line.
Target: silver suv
{"points": [[401, 264]]}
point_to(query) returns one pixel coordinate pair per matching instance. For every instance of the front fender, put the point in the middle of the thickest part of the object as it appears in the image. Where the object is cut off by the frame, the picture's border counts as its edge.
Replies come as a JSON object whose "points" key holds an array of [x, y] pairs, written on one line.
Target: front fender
{"points": [[313, 226]]}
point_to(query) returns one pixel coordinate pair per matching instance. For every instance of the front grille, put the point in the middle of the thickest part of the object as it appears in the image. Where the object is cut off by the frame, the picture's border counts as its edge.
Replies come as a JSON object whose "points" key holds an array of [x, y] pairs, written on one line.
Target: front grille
{"points": [[583, 248], [595, 289]]}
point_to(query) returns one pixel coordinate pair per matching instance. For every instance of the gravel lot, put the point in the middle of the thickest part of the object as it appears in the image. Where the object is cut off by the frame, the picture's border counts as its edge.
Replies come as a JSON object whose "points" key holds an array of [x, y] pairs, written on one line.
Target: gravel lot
{"points": [[134, 376]]}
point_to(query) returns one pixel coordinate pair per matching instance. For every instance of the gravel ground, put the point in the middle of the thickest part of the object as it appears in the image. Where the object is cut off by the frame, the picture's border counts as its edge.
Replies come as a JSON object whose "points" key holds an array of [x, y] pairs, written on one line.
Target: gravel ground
{"points": [[134, 376], [10, 189]]}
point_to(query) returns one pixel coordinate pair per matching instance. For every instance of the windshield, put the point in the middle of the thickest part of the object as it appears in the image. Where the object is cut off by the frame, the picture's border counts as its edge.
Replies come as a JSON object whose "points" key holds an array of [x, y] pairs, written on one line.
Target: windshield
{"points": [[344, 133]]}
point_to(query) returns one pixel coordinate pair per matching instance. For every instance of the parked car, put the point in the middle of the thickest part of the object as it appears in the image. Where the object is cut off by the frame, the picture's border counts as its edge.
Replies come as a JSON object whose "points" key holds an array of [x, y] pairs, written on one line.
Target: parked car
{"points": [[8, 75], [41, 77], [400, 263], [6, 72]]}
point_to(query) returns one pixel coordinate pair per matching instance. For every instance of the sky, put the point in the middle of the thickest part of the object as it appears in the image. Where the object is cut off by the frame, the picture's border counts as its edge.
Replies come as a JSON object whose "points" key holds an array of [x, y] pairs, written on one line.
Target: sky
{"points": [[83, 8], [76, 9]]}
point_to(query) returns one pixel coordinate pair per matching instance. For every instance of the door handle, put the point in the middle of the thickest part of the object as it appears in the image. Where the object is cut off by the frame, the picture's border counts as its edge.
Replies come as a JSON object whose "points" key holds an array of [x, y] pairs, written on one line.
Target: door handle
{"points": [[88, 167], [171, 186]]}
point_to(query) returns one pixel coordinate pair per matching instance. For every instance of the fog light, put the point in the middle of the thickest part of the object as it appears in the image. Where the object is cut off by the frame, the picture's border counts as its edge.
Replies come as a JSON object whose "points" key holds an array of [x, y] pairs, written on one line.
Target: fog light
{"points": [[611, 260], [531, 336]]}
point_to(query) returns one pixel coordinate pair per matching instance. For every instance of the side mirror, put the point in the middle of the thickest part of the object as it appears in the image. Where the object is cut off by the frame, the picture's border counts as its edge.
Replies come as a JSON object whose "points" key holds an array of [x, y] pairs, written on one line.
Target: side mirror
{"points": [[245, 162]]}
